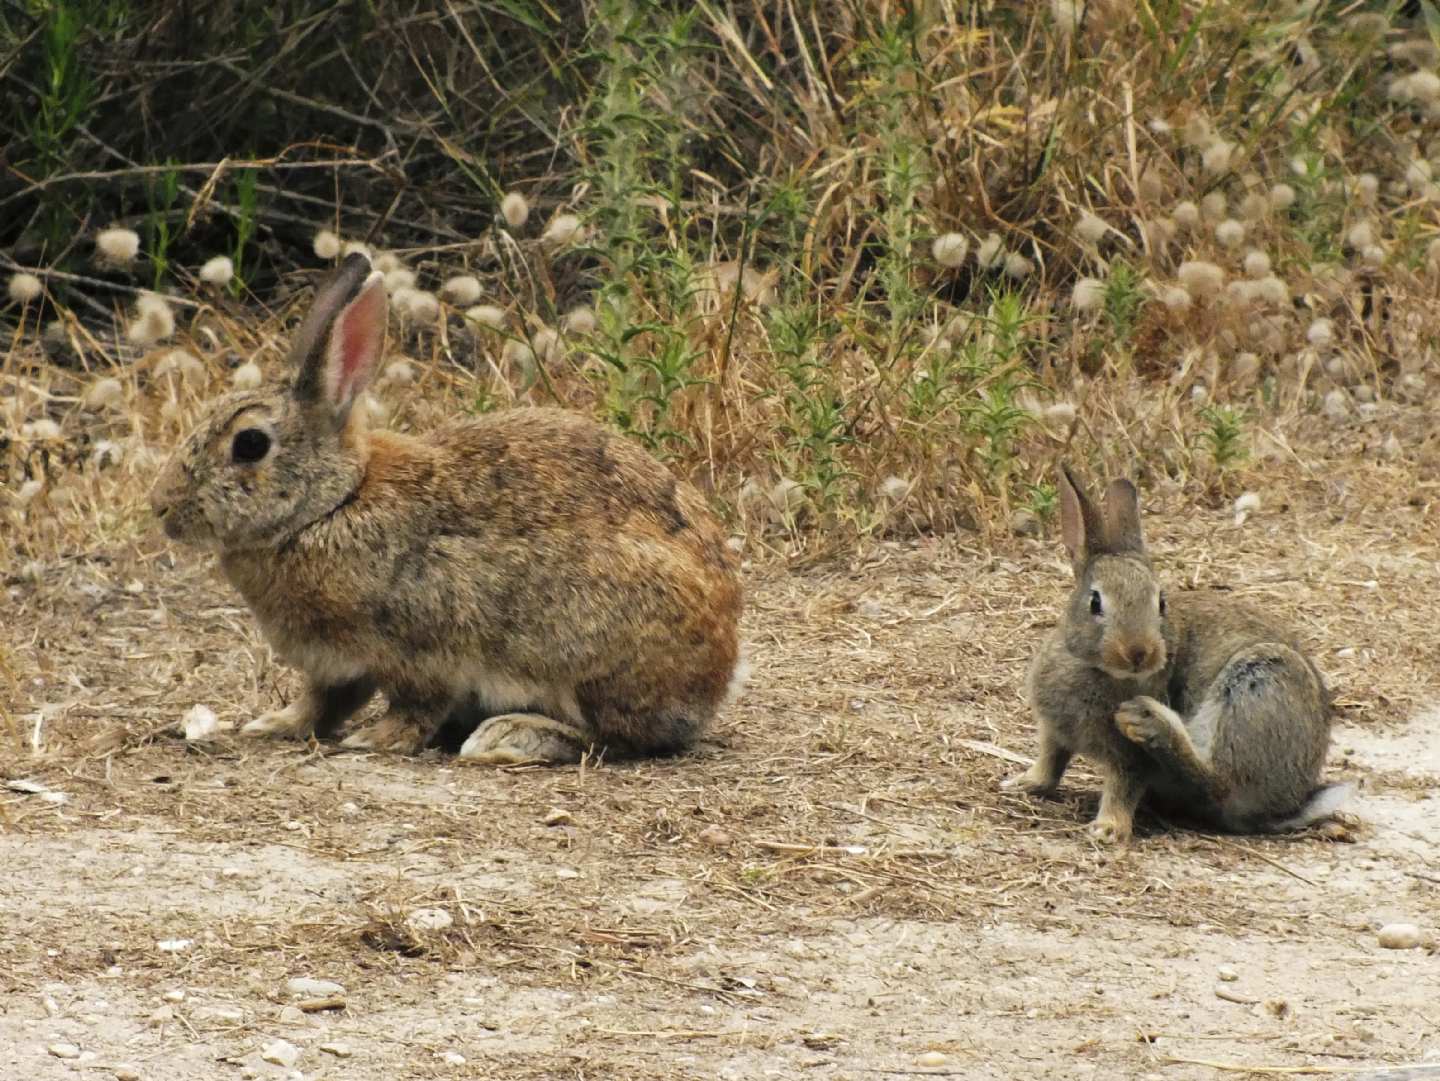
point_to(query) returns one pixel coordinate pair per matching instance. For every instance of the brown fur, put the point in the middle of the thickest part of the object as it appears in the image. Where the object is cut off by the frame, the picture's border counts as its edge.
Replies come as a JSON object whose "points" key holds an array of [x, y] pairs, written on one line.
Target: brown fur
{"points": [[527, 563]]}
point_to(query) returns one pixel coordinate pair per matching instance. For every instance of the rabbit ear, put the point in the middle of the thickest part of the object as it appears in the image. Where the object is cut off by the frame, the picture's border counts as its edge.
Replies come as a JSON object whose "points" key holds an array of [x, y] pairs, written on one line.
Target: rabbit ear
{"points": [[1122, 518], [1080, 526], [339, 345]]}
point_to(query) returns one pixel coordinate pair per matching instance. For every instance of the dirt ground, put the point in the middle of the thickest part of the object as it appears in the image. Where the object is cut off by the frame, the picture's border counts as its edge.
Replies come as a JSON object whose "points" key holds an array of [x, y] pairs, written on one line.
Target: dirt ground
{"points": [[833, 887]]}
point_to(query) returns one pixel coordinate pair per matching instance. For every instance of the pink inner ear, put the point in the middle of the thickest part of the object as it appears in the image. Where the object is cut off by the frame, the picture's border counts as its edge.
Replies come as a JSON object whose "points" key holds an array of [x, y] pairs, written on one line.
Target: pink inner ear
{"points": [[356, 339]]}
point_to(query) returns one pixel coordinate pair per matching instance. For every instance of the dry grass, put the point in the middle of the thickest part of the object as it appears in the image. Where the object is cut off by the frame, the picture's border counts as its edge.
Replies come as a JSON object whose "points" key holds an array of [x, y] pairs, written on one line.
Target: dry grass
{"points": [[853, 789]]}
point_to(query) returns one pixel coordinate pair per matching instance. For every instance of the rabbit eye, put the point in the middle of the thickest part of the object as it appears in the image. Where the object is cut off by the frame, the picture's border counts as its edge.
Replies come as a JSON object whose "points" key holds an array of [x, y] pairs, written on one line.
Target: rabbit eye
{"points": [[1162, 604], [1095, 606], [250, 445]]}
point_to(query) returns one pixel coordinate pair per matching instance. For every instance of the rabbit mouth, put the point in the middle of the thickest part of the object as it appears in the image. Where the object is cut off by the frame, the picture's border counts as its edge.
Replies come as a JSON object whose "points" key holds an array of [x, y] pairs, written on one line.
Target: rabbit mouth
{"points": [[1132, 663]]}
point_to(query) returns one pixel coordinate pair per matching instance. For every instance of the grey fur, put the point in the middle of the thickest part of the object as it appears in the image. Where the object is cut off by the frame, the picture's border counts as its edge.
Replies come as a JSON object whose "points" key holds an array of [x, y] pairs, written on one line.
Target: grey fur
{"points": [[1211, 708]]}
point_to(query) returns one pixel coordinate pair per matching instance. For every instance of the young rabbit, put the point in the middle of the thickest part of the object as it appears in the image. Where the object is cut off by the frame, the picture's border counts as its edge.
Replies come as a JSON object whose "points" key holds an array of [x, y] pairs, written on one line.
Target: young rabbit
{"points": [[1202, 702], [525, 569]]}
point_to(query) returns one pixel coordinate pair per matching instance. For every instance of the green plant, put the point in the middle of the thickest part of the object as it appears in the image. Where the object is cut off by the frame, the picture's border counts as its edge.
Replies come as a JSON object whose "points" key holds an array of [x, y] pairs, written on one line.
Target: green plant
{"points": [[245, 206], [1224, 435], [161, 193]]}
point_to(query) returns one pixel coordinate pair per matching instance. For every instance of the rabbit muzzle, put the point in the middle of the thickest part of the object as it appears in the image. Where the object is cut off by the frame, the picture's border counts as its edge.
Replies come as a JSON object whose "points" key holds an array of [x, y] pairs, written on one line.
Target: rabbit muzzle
{"points": [[1133, 658]]}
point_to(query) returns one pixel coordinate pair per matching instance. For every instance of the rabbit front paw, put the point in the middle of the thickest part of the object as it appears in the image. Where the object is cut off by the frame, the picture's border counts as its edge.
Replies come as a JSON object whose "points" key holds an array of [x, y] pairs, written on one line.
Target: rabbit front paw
{"points": [[1110, 830], [1145, 721], [397, 734], [514, 738], [1035, 781], [292, 722]]}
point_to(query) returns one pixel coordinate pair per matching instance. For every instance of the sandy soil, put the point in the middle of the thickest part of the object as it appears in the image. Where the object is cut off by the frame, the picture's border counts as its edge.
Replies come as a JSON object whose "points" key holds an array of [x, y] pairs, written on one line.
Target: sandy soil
{"points": [[832, 887]]}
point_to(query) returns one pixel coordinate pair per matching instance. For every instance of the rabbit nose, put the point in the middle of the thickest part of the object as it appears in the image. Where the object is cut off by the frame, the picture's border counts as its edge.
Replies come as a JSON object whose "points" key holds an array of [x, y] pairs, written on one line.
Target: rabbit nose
{"points": [[1139, 656]]}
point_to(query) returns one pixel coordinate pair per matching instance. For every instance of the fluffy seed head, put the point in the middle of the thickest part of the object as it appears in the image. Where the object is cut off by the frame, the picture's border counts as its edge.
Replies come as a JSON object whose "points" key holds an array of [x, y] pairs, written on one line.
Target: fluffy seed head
{"points": [[1242, 292], [1367, 188], [400, 373], [1245, 367], [179, 364], [247, 377], [1059, 414], [991, 252], [1360, 235], [43, 430], [787, 495], [1373, 255], [1201, 278], [1254, 206], [25, 287], [1282, 196], [1175, 297], [462, 290], [514, 209], [1257, 263], [1090, 227], [1230, 233], [547, 346], [153, 322], [422, 307], [1066, 14], [1272, 290], [950, 249], [562, 231], [217, 271], [355, 247], [1186, 215], [1321, 333], [896, 488], [1337, 404], [486, 315], [1214, 206], [1089, 294], [385, 262], [28, 491], [398, 279], [1417, 174], [1421, 86], [1017, 266], [107, 393], [1432, 253], [119, 246], [327, 244], [1216, 158], [1247, 503], [578, 321], [520, 356]]}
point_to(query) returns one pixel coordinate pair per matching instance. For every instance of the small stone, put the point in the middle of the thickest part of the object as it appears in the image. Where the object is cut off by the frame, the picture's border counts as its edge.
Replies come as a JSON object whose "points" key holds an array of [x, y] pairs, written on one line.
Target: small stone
{"points": [[349, 809], [292, 1015], [1399, 936], [932, 1058], [163, 1016], [126, 1072], [429, 919], [716, 837], [339, 1050], [557, 816], [305, 987], [281, 1053], [1227, 974], [199, 723], [64, 1050], [174, 945], [452, 1058], [174, 996]]}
